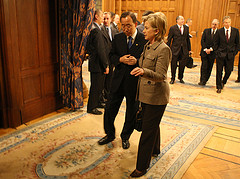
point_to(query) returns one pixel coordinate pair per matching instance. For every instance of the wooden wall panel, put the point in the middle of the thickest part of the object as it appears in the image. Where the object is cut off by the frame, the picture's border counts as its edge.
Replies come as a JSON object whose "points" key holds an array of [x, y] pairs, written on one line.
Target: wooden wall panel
{"points": [[26, 14], [31, 88], [170, 8]]}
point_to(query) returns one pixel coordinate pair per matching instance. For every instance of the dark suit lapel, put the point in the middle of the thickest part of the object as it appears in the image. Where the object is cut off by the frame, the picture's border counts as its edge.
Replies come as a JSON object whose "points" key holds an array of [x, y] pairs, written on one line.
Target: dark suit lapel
{"points": [[222, 32], [177, 29], [123, 42], [105, 33], [231, 34]]}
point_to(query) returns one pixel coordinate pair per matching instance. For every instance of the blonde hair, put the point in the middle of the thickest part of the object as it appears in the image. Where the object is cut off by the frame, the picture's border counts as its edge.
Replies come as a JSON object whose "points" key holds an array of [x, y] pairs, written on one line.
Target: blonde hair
{"points": [[158, 21]]}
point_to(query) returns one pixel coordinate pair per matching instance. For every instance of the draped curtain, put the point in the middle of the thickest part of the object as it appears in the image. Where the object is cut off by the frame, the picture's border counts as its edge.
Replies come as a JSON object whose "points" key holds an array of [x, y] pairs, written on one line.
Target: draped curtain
{"points": [[76, 18]]}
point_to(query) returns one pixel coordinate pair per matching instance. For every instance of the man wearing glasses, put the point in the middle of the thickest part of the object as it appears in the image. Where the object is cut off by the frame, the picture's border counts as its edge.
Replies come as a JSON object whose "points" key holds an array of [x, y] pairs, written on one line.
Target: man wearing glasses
{"points": [[127, 47]]}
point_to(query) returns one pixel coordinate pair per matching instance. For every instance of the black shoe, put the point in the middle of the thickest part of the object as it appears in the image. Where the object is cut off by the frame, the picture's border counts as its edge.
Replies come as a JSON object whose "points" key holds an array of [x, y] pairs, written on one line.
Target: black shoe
{"points": [[95, 111], [201, 83], [105, 140], [172, 82], [125, 144], [194, 66], [219, 90], [136, 174], [237, 81], [155, 155], [181, 81]]}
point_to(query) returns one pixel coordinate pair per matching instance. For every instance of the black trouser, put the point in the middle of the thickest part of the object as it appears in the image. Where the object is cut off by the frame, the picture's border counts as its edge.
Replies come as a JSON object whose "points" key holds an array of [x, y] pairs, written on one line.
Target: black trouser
{"points": [[96, 88], [238, 78], [150, 138], [228, 68], [206, 68], [182, 63], [112, 108], [108, 82]]}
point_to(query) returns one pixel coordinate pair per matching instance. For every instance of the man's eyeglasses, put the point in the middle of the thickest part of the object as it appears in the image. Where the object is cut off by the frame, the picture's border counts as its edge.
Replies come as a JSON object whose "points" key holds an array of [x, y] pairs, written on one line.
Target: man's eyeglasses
{"points": [[126, 26]]}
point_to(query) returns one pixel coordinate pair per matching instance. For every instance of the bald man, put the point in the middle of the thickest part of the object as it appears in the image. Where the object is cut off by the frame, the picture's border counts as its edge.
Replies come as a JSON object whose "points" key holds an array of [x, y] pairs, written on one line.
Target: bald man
{"points": [[208, 55]]}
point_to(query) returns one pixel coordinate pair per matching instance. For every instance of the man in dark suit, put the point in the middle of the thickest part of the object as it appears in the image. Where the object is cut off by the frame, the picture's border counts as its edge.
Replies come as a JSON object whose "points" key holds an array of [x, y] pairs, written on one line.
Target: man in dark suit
{"points": [[140, 27], [114, 24], [226, 45], [179, 42], [127, 47], [190, 59], [108, 34], [98, 63], [207, 54]]}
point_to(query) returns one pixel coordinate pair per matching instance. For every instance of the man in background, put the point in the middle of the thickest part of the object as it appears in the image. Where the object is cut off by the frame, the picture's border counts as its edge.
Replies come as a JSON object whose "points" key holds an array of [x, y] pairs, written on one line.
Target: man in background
{"points": [[98, 63], [114, 24], [226, 46], [207, 54], [179, 42], [190, 59], [140, 27], [108, 34]]}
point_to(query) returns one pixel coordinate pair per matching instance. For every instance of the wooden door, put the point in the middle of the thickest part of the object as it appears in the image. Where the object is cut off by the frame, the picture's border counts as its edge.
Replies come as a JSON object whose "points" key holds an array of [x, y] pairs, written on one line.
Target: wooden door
{"points": [[32, 58]]}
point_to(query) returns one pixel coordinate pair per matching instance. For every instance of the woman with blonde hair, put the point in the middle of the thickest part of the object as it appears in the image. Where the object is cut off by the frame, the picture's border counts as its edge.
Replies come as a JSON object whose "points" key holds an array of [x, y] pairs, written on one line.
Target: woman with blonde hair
{"points": [[153, 89]]}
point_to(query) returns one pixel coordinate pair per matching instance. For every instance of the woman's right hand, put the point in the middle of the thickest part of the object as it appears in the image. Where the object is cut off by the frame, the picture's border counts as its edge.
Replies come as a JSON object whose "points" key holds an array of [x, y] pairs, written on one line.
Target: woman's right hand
{"points": [[137, 71]]}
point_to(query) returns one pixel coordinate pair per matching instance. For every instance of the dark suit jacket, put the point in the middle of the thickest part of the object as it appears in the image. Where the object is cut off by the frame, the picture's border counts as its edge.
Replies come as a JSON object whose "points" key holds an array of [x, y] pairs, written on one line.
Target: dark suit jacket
{"points": [[224, 48], [114, 29], [207, 42], [176, 40], [98, 59], [119, 49], [140, 28], [107, 39]]}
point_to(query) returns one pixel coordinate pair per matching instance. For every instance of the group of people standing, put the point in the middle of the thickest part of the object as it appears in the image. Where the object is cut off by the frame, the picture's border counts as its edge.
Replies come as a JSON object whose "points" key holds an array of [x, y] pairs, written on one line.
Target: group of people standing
{"points": [[132, 63], [140, 62], [220, 44]]}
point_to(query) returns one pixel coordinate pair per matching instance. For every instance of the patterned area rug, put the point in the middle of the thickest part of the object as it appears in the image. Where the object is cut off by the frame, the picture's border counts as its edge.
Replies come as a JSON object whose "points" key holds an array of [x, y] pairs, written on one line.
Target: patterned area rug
{"points": [[65, 146]]}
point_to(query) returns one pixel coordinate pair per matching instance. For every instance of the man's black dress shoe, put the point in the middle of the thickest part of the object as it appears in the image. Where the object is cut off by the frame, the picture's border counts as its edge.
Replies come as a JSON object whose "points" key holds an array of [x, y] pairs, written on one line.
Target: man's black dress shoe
{"points": [[194, 66], [136, 174], [172, 81], [201, 83], [237, 81], [95, 111], [181, 81], [125, 144], [105, 140], [155, 155], [219, 90]]}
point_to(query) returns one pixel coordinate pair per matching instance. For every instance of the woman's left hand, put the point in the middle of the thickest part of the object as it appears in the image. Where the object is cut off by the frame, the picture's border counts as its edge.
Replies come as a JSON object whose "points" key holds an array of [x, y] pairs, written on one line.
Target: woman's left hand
{"points": [[137, 71]]}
